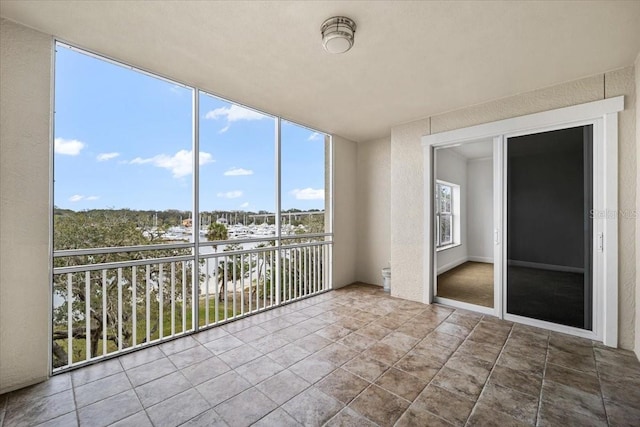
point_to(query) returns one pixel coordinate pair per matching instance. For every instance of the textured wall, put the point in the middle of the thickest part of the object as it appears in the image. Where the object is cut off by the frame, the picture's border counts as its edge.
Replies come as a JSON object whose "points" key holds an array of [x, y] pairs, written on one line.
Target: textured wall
{"points": [[621, 82], [345, 211], [564, 95], [25, 83], [407, 210], [637, 211], [374, 210], [407, 177]]}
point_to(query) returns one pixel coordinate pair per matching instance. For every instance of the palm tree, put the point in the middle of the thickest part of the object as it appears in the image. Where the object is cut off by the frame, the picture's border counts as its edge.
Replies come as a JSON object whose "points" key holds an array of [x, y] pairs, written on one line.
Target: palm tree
{"points": [[216, 231], [233, 267]]}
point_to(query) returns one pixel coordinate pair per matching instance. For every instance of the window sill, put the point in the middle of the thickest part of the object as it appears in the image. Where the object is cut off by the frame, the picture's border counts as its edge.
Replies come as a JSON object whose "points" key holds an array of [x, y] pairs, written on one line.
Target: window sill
{"points": [[451, 246]]}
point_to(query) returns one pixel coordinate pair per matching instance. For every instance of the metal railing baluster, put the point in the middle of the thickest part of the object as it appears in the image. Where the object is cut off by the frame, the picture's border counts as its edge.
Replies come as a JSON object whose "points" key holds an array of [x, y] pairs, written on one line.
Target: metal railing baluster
{"points": [[184, 296], [148, 303], [120, 309], [161, 301], [275, 275], [87, 314], [104, 312], [134, 305], [70, 318], [173, 298]]}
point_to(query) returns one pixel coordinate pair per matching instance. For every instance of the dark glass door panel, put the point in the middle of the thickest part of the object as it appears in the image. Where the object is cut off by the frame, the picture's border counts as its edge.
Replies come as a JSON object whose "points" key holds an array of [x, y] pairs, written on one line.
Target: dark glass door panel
{"points": [[549, 226]]}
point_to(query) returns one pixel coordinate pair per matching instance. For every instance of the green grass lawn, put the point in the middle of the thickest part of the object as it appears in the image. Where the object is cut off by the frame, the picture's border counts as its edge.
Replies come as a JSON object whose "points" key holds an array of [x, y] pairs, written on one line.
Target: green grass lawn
{"points": [[79, 345]]}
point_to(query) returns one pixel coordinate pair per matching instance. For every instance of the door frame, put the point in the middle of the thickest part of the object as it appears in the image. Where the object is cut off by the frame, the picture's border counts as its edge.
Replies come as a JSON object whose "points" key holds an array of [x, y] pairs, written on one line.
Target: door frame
{"points": [[604, 118]]}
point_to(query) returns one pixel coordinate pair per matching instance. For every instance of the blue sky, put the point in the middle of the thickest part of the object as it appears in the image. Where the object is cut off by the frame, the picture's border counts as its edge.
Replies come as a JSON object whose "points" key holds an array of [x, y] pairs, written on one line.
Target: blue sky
{"points": [[123, 140]]}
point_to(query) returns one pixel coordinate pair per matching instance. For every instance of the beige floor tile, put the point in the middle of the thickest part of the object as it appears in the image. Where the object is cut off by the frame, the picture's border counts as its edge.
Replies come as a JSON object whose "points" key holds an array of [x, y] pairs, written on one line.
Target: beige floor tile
{"points": [[401, 383], [342, 385], [379, 406]]}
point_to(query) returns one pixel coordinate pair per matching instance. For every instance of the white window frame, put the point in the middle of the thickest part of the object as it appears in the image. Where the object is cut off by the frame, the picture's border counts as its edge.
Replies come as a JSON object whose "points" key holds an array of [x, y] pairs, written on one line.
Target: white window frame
{"points": [[603, 115], [440, 214], [455, 214]]}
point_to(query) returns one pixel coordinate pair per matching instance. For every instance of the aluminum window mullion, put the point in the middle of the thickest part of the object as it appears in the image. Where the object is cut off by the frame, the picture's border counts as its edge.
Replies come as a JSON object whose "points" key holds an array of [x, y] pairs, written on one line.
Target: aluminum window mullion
{"points": [[195, 225], [278, 213]]}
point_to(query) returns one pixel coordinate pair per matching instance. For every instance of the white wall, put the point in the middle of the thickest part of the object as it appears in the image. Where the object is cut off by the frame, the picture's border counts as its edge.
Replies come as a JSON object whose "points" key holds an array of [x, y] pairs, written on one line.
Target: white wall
{"points": [[345, 208], [452, 167], [25, 76], [480, 210], [407, 171], [374, 210]]}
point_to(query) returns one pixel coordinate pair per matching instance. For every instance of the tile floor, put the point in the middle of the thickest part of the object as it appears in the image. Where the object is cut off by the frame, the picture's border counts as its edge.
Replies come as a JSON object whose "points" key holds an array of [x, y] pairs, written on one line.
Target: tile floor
{"points": [[351, 357]]}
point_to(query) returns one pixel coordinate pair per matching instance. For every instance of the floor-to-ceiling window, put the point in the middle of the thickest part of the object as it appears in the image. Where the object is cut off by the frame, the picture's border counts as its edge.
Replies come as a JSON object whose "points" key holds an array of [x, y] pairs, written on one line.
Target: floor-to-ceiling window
{"points": [[174, 209]]}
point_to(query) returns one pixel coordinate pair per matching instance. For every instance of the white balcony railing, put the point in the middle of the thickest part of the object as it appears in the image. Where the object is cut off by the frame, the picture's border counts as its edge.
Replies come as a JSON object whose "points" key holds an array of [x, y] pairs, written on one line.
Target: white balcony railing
{"points": [[109, 301]]}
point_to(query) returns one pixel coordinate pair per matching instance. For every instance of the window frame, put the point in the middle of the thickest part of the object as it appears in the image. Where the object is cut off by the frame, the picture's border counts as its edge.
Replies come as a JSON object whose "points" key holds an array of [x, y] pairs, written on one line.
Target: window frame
{"points": [[454, 215], [440, 243]]}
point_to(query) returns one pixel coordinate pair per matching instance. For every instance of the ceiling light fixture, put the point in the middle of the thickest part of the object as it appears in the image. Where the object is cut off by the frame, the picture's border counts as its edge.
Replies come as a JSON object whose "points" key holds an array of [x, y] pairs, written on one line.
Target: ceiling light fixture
{"points": [[338, 34]]}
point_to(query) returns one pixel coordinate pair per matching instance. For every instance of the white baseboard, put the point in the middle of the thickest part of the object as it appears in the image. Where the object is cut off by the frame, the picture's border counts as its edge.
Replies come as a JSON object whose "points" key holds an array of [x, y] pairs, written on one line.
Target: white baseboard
{"points": [[541, 266], [452, 265], [486, 260], [461, 261]]}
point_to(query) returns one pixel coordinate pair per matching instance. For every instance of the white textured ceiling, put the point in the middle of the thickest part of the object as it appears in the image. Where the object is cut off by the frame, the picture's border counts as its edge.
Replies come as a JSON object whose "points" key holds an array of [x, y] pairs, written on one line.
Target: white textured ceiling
{"points": [[410, 59], [474, 150]]}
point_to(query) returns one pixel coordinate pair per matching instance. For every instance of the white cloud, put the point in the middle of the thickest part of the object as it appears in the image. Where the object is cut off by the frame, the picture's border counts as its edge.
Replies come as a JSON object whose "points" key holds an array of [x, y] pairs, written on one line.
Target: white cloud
{"points": [[232, 114], [314, 136], [230, 194], [308, 194], [69, 147], [176, 89], [103, 157], [180, 164], [238, 172], [245, 205], [79, 197]]}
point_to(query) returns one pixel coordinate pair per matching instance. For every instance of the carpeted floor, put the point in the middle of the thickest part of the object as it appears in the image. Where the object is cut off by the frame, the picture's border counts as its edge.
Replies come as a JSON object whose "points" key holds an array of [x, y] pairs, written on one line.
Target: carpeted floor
{"points": [[471, 282], [553, 296]]}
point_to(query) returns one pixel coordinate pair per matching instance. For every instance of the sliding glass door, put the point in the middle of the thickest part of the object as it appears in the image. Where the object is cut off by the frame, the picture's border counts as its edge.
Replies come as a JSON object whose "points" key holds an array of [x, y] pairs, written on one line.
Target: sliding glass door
{"points": [[555, 217], [538, 189], [549, 239]]}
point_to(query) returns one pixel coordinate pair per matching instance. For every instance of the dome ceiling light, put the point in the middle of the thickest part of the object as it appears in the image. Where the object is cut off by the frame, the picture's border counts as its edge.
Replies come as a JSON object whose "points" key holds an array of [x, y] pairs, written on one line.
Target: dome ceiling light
{"points": [[338, 34]]}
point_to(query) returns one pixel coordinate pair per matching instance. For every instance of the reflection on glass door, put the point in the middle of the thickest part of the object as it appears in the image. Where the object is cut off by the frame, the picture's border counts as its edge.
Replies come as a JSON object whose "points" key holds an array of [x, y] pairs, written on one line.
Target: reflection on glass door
{"points": [[463, 225], [549, 226]]}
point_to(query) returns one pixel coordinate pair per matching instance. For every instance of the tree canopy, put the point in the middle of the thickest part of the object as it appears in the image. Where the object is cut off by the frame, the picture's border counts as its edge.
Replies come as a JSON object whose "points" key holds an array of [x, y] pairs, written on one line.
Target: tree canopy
{"points": [[108, 286]]}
